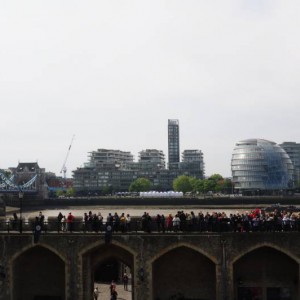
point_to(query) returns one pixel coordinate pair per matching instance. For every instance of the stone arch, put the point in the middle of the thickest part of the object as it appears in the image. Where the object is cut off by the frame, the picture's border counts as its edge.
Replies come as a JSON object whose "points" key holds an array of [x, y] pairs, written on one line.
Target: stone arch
{"points": [[265, 244], [187, 245], [94, 254], [184, 269], [28, 247], [265, 270], [98, 244], [38, 272]]}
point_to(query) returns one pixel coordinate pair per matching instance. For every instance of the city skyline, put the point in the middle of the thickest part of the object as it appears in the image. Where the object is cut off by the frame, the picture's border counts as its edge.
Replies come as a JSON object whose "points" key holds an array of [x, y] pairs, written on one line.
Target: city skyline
{"points": [[113, 73]]}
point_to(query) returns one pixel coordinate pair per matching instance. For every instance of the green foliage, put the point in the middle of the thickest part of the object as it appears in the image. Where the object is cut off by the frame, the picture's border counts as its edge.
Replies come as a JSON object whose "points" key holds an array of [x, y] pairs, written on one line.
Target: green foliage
{"points": [[70, 192], [140, 185], [215, 183], [183, 184], [107, 189], [60, 193]]}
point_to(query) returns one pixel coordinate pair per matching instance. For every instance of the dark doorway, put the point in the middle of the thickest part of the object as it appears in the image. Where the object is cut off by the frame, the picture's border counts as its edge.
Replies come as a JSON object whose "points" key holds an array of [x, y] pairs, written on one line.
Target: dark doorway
{"points": [[107, 271], [266, 274], [184, 273], [38, 274]]}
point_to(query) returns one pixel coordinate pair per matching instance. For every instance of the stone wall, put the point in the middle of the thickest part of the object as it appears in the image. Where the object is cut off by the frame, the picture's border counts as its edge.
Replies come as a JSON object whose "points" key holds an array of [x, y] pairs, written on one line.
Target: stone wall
{"points": [[201, 266]]}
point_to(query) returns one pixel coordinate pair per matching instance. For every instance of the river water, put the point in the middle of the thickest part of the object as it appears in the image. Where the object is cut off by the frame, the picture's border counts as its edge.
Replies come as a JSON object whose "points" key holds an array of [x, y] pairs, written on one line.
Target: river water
{"points": [[79, 211]]}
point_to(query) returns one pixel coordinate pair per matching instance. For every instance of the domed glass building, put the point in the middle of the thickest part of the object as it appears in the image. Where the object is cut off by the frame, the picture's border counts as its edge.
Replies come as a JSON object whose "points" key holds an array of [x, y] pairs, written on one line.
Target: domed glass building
{"points": [[261, 165]]}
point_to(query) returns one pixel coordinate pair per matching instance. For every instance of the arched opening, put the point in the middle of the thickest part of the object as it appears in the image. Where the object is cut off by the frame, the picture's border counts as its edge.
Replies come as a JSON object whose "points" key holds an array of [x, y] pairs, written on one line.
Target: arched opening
{"points": [[38, 274], [108, 264], [184, 273], [266, 274]]}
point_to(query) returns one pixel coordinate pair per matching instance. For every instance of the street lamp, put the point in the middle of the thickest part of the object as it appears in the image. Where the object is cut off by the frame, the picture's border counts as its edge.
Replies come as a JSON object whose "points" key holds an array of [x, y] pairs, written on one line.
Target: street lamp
{"points": [[21, 194]]}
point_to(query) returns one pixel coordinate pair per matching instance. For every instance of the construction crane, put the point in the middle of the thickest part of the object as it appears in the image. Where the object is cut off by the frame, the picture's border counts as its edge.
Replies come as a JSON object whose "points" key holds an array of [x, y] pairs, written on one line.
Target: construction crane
{"points": [[64, 167]]}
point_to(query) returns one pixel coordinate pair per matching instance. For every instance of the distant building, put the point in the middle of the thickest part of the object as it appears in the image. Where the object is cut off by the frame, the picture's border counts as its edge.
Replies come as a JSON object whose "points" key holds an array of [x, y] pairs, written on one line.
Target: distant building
{"points": [[193, 163], [293, 150], [173, 142], [114, 170], [153, 156], [107, 158], [259, 165], [97, 177]]}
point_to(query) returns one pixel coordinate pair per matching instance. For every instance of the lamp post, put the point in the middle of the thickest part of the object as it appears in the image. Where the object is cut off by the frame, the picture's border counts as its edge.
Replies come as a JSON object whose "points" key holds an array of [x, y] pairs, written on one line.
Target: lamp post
{"points": [[21, 194]]}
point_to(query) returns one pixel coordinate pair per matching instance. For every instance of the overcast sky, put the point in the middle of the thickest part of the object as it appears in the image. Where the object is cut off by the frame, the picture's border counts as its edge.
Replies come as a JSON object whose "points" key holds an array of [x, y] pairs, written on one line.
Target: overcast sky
{"points": [[113, 72]]}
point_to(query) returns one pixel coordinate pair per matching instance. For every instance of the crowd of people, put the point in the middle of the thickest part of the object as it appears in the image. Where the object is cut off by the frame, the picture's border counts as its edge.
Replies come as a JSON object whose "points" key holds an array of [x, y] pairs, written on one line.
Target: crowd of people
{"points": [[255, 220]]}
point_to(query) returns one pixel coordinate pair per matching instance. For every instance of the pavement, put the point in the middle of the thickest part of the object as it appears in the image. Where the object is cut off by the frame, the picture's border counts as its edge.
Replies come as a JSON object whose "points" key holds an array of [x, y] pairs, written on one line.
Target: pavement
{"points": [[105, 291]]}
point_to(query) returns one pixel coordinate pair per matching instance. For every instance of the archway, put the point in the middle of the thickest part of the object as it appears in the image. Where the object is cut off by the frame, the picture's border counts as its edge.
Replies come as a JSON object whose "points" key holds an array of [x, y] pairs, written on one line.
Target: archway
{"points": [[38, 274], [266, 274], [109, 263], [186, 273]]}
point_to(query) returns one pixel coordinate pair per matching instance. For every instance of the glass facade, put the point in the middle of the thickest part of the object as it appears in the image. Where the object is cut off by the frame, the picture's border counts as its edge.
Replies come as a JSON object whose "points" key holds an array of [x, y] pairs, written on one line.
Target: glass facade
{"points": [[259, 164]]}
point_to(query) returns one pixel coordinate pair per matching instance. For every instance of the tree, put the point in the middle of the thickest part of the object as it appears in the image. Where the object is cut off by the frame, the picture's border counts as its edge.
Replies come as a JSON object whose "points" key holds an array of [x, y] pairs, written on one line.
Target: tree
{"points": [[198, 186], [60, 193], [140, 185], [183, 184], [70, 192]]}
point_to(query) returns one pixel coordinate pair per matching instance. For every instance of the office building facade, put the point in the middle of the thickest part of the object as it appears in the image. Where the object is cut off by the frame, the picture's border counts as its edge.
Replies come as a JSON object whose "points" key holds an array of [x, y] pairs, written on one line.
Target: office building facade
{"points": [[293, 150], [259, 165]]}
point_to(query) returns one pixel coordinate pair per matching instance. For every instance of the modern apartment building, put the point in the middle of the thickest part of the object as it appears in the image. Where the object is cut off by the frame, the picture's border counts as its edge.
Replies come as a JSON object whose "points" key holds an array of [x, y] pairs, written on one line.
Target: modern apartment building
{"points": [[103, 157], [173, 142], [192, 160], [293, 150], [115, 170]]}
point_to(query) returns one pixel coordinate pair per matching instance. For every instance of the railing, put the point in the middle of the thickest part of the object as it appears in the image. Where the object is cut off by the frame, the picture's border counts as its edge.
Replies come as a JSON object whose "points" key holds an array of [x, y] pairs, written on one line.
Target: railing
{"points": [[138, 226]]}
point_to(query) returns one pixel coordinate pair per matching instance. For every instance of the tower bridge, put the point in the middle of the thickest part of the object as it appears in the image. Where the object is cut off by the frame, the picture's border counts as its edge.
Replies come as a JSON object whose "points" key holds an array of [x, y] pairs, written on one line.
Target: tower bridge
{"points": [[196, 265]]}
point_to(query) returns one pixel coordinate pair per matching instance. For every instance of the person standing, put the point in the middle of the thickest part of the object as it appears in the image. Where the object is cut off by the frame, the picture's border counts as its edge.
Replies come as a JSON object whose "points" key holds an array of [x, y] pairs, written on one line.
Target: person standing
{"points": [[112, 287], [114, 295], [96, 293], [64, 224], [125, 281], [70, 221]]}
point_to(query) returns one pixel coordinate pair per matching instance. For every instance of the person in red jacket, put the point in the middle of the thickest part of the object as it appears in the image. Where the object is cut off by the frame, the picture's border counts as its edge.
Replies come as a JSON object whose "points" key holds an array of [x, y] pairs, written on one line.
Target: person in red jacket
{"points": [[70, 222]]}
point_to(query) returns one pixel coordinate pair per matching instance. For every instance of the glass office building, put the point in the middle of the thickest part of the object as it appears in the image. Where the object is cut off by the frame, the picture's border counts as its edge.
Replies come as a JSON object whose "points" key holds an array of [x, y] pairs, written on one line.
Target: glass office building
{"points": [[261, 165]]}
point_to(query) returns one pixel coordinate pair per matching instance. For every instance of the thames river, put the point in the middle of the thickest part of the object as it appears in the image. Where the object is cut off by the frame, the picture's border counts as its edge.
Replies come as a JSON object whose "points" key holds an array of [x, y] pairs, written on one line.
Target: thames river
{"points": [[78, 211]]}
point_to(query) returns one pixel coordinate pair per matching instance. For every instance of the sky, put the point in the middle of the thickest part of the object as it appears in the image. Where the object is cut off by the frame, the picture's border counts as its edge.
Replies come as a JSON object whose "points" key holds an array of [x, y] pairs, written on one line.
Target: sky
{"points": [[111, 73]]}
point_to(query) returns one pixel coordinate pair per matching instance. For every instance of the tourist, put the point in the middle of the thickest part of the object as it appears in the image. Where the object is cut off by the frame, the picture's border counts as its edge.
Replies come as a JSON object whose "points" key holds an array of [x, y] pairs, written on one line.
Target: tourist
{"points": [[158, 222], [128, 222], [163, 223], [169, 222], [70, 222], [176, 223], [96, 293], [112, 287], [64, 224], [125, 281], [114, 295], [15, 221], [122, 223]]}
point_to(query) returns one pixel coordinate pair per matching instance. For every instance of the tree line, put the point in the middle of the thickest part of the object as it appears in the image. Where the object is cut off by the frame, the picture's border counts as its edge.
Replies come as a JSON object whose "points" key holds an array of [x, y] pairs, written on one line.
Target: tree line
{"points": [[188, 184]]}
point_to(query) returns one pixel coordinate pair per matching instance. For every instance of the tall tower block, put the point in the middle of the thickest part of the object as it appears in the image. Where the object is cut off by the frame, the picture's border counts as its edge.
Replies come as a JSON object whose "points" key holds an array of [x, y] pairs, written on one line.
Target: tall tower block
{"points": [[173, 141]]}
